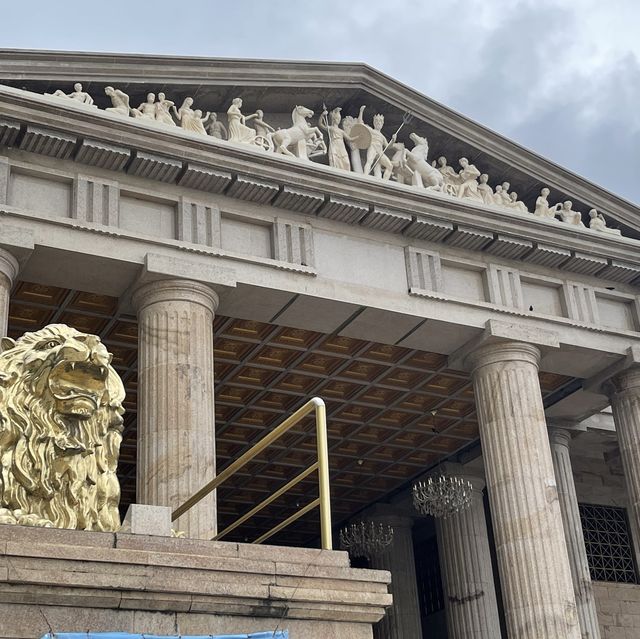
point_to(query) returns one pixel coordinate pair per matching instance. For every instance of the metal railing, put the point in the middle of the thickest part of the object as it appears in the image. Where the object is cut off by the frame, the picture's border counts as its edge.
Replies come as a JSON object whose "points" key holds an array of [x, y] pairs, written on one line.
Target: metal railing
{"points": [[321, 465]]}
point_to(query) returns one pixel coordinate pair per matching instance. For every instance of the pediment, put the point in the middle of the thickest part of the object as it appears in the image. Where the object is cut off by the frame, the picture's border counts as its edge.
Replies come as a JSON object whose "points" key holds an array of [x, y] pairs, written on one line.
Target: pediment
{"points": [[276, 87]]}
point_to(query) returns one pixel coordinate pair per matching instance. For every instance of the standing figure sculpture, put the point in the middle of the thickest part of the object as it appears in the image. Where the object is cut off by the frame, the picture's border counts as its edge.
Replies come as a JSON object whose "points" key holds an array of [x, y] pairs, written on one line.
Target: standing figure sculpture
{"points": [[162, 110], [376, 159], [424, 174], [60, 431], [468, 178], [77, 94], [598, 223], [262, 128], [146, 110], [298, 136], [338, 155], [238, 131], [505, 198], [215, 128], [119, 101]]}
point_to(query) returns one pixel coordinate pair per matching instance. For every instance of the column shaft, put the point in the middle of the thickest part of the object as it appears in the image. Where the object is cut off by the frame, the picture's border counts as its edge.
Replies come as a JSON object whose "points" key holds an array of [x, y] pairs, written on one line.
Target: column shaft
{"points": [[402, 620], [532, 558], [8, 274], [625, 404], [176, 421], [467, 576], [582, 587]]}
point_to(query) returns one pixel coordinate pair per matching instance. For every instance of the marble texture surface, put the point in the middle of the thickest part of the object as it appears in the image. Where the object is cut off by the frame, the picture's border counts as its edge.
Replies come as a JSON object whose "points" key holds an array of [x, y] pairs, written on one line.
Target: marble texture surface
{"points": [[532, 557], [176, 423], [582, 586], [467, 576]]}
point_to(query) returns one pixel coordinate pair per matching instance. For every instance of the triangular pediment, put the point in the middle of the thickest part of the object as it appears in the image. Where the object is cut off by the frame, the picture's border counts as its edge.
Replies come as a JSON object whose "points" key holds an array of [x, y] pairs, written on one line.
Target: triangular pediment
{"points": [[277, 87]]}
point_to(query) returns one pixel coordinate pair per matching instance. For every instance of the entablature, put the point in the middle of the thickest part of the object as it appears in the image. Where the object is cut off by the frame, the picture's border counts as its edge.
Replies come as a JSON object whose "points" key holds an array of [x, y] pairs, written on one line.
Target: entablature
{"points": [[50, 127]]}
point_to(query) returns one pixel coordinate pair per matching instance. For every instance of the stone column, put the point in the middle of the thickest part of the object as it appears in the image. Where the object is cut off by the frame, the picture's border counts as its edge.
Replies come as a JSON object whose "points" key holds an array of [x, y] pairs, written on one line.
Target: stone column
{"points": [[467, 576], [8, 273], [402, 620], [582, 587], [532, 557], [624, 392], [176, 421]]}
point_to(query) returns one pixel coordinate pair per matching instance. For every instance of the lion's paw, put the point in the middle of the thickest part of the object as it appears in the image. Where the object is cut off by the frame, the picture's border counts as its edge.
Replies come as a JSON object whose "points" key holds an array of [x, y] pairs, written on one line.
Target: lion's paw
{"points": [[23, 519]]}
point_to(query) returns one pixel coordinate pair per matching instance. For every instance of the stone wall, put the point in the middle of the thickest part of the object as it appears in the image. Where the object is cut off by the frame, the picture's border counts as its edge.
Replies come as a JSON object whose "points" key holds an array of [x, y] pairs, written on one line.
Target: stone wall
{"points": [[73, 581], [618, 610]]}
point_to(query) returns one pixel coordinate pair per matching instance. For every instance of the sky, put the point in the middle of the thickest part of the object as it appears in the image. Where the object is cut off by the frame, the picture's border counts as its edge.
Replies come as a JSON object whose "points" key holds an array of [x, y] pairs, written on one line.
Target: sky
{"points": [[561, 77]]}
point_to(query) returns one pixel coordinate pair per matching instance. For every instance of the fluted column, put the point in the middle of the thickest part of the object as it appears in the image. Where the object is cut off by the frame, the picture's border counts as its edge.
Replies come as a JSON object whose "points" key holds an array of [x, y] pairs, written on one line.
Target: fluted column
{"points": [[532, 558], [467, 576], [402, 620], [176, 422], [624, 392], [8, 274], [583, 590]]}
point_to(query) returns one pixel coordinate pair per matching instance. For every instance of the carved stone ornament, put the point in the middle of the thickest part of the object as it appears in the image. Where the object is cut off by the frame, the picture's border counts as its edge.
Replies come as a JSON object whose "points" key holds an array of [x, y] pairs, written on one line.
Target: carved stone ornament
{"points": [[60, 431], [352, 145]]}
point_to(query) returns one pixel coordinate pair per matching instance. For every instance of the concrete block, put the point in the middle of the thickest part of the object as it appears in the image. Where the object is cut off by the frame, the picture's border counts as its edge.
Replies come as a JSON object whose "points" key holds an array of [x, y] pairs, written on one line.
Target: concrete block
{"points": [[142, 519]]}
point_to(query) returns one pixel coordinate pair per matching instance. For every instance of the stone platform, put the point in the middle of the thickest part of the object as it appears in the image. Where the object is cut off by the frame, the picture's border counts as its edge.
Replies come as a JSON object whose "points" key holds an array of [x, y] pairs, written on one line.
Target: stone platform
{"points": [[64, 580]]}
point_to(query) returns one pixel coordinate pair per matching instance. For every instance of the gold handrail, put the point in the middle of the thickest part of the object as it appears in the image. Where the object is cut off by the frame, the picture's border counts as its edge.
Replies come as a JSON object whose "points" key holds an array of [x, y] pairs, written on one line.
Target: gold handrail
{"points": [[321, 465]]}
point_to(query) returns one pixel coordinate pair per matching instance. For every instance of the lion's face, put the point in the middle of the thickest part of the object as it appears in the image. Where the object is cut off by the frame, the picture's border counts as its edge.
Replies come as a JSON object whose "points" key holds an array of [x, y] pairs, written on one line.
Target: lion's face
{"points": [[60, 426], [70, 367]]}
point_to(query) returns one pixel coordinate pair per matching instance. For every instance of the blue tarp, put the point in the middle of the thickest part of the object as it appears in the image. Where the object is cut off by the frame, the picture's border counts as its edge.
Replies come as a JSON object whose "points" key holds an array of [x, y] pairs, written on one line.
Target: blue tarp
{"points": [[279, 634]]}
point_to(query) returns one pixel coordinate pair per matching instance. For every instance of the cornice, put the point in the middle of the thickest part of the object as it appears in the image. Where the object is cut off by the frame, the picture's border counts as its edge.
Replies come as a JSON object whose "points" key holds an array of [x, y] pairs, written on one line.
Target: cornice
{"points": [[406, 209], [112, 67]]}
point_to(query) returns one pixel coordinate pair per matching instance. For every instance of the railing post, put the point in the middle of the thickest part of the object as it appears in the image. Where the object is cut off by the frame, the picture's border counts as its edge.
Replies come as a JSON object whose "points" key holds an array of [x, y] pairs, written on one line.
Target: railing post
{"points": [[323, 474]]}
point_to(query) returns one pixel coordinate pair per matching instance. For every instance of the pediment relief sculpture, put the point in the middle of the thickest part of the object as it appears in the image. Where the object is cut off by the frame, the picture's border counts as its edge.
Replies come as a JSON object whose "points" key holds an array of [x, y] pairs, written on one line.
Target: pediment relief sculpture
{"points": [[351, 145], [60, 431]]}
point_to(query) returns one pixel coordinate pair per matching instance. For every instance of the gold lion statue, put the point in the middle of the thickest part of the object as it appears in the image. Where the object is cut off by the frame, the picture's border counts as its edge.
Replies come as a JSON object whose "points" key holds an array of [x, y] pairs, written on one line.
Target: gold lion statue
{"points": [[60, 431]]}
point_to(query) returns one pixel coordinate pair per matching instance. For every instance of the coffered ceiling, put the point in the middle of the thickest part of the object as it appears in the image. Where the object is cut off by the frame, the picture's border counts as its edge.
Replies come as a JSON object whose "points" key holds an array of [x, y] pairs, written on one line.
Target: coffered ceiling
{"points": [[393, 412]]}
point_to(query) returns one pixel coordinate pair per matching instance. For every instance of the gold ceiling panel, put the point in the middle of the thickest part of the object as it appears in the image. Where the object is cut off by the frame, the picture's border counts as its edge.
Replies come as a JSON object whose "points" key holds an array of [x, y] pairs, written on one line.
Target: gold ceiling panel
{"points": [[393, 413]]}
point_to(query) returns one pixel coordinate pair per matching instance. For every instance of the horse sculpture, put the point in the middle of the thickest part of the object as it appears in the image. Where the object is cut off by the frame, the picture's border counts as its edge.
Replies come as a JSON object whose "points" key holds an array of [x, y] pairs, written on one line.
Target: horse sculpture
{"points": [[423, 173], [300, 135]]}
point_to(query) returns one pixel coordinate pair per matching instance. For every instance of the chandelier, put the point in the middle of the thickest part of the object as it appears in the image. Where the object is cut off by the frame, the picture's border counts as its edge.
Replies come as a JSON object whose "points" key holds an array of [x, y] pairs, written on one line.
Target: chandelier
{"points": [[365, 538], [443, 496]]}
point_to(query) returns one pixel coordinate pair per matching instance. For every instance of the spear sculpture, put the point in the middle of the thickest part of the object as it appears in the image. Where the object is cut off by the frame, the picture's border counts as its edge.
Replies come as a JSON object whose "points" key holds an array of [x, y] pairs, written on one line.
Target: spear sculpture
{"points": [[406, 119]]}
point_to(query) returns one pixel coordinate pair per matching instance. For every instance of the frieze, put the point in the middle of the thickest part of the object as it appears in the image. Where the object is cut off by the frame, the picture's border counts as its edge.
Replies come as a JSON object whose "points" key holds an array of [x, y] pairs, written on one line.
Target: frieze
{"points": [[352, 145]]}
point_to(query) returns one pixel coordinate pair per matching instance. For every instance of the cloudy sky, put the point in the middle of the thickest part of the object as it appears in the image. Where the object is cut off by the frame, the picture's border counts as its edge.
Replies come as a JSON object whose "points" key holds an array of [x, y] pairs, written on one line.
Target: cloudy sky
{"points": [[561, 77]]}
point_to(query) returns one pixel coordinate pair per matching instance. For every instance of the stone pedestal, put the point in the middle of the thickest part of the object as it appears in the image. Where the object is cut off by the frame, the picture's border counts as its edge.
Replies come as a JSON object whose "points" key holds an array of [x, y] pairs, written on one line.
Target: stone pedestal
{"points": [[532, 557], [176, 421], [467, 576], [582, 586], [403, 618], [8, 274], [624, 392]]}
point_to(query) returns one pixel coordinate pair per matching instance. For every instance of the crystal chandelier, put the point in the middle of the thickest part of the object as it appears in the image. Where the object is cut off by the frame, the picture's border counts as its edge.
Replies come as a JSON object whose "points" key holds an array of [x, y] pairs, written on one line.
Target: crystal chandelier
{"points": [[443, 496], [365, 538]]}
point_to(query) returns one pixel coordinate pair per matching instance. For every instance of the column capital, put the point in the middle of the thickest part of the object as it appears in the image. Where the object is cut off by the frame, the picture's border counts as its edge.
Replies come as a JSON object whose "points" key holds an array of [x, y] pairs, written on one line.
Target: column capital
{"points": [[174, 290], [500, 352], [9, 266], [560, 436], [627, 380]]}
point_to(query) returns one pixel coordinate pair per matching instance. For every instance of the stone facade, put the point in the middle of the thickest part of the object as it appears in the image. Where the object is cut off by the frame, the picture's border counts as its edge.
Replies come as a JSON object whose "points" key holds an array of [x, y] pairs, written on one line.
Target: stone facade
{"points": [[480, 324], [618, 608]]}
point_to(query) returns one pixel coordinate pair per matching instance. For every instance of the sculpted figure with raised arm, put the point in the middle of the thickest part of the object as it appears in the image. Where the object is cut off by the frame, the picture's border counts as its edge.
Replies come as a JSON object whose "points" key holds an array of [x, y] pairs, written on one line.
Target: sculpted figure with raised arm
{"points": [[376, 158], [119, 101]]}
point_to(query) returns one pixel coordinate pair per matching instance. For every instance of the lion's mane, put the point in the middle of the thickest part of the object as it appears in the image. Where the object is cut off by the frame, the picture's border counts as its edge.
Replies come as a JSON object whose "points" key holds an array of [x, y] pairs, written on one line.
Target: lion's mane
{"points": [[54, 466]]}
